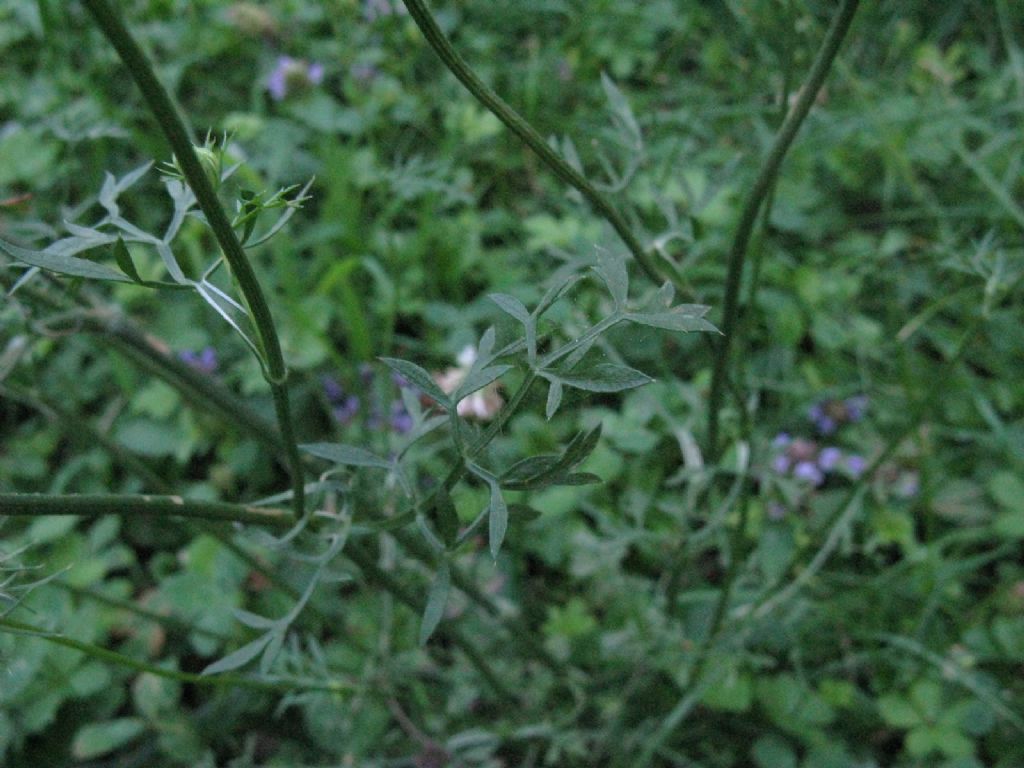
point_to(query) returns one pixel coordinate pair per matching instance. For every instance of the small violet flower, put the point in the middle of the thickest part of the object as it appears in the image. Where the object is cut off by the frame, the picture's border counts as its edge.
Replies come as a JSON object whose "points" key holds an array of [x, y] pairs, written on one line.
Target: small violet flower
{"points": [[293, 75], [856, 465], [333, 390], [344, 407], [401, 421], [204, 361], [856, 406], [809, 472], [821, 419], [908, 485], [828, 415], [782, 440], [829, 458], [347, 410]]}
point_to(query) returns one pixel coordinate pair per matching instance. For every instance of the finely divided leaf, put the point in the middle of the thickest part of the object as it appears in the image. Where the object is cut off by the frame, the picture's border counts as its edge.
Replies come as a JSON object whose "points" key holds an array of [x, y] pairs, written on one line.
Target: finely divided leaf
{"points": [[447, 518], [480, 379], [541, 471], [241, 657], [124, 260], [254, 620], [678, 319], [619, 104], [498, 523], [555, 292], [419, 378], [510, 305], [486, 346], [580, 447], [612, 269], [64, 265], [348, 455], [605, 377], [437, 598], [554, 398]]}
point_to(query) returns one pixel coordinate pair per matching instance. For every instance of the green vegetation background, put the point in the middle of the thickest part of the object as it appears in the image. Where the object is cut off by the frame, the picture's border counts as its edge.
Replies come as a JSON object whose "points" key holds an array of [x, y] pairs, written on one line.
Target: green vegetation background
{"points": [[896, 223]]}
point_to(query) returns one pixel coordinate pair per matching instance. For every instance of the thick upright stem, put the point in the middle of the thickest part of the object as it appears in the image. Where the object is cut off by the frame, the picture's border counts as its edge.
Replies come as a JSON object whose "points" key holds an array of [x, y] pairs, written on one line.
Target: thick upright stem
{"points": [[283, 686], [762, 186], [177, 135], [85, 505], [656, 271]]}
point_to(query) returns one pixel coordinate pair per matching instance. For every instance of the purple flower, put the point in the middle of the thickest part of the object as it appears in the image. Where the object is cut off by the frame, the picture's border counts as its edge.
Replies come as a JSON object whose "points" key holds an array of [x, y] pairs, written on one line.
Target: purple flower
{"points": [[204, 361], [332, 389], [821, 418], [401, 421], [400, 381], [345, 411], [366, 374], [781, 464], [291, 75], [856, 465], [855, 407], [776, 511], [829, 458], [908, 486], [782, 440], [808, 472]]}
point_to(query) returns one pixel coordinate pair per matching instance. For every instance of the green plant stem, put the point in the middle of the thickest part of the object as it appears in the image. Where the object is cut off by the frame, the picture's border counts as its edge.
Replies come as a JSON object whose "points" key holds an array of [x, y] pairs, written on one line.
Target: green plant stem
{"points": [[748, 217], [283, 686], [81, 430], [421, 552], [516, 628], [177, 135], [36, 505], [368, 565], [168, 621], [194, 386], [531, 138]]}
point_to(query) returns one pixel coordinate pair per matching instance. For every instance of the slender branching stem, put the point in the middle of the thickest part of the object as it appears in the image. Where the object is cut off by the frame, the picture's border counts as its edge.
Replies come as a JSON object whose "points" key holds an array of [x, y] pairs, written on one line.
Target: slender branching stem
{"points": [[195, 387], [773, 599], [755, 198], [516, 627], [658, 271], [86, 505], [368, 565], [168, 621], [174, 128], [283, 685]]}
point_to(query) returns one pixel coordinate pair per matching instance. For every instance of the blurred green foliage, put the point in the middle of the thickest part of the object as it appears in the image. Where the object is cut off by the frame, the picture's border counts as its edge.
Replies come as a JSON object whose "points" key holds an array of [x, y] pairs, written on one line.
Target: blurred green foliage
{"points": [[897, 221]]}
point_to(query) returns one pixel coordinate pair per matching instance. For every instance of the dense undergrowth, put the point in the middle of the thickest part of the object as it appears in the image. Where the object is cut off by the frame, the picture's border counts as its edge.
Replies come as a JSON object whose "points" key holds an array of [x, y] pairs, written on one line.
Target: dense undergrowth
{"points": [[586, 561]]}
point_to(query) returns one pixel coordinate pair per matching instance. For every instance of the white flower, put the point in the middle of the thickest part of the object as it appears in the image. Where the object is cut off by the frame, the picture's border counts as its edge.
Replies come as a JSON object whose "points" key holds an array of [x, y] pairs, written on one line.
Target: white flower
{"points": [[483, 404]]}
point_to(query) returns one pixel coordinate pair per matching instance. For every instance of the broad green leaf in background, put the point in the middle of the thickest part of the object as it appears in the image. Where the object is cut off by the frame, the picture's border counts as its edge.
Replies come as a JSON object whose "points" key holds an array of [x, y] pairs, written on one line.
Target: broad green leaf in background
{"points": [[98, 739]]}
